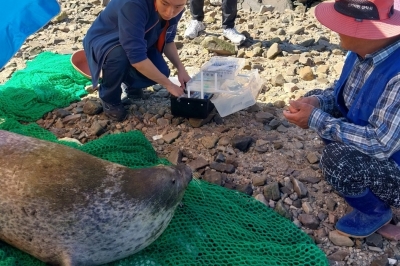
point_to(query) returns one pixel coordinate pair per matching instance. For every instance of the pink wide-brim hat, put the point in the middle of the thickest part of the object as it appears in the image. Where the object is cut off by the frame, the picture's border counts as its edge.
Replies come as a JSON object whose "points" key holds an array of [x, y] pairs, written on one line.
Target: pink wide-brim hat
{"points": [[384, 27]]}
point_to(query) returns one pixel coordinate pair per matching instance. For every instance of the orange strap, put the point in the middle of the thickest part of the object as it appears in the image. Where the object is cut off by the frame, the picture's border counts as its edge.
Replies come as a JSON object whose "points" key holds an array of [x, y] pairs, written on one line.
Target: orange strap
{"points": [[161, 39]]}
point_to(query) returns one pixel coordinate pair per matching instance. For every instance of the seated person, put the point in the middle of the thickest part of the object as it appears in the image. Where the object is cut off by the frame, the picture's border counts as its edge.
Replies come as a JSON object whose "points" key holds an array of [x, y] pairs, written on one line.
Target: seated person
{"points": [[362, 156]]}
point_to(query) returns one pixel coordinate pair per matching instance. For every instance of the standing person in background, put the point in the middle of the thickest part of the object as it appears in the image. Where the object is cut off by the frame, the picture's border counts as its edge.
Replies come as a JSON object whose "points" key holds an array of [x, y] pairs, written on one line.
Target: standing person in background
{"points": [[229, 13], [126, 43], [362, 157]]}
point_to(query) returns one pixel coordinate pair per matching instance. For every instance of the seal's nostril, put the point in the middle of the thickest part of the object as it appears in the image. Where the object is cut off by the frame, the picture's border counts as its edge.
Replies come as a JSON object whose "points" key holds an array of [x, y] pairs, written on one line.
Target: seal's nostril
{"points": [[173, 180]]}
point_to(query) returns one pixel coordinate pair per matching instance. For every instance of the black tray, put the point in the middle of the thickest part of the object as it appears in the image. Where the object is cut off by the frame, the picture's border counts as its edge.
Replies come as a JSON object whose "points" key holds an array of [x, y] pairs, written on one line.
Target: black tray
{"points": [[191, 107]]}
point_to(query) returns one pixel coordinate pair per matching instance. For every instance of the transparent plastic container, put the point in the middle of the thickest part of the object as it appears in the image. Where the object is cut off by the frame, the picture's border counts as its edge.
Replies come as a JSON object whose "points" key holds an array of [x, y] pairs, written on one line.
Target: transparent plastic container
{"points": [[225, 67], [243, 92], [214, 73]]}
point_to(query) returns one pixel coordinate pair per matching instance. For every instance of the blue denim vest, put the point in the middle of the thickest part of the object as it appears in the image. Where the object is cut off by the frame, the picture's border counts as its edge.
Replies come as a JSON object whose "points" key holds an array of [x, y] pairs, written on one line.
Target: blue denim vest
{"points": [[366, 100]]}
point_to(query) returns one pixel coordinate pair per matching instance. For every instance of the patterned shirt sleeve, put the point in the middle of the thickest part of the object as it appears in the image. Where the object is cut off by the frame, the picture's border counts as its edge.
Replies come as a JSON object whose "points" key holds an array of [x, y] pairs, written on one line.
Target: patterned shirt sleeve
{"points": [[380, 138], [326, 100]]}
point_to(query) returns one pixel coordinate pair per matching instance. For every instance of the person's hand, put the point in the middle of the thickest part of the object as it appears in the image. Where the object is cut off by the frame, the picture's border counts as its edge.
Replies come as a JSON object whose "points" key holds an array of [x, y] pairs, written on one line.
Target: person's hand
{"points": [[299, 112], [183, 77], [309, 100], [174, 89]]}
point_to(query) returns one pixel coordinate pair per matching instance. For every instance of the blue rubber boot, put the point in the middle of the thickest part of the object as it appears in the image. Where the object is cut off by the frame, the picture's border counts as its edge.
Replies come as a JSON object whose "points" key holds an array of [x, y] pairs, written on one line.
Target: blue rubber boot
{"points": [[368, 215]]}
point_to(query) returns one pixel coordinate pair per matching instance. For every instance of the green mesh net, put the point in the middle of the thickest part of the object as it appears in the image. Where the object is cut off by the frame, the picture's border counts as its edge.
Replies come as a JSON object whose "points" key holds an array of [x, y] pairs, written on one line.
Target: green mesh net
{"points": [[212, 226], [46, 83]]}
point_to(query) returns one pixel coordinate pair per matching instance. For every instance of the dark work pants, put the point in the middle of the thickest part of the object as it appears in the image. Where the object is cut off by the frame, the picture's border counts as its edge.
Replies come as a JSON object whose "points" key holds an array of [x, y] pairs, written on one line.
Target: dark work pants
{"points": [[350, 172], [229, 12], [117, 70]]}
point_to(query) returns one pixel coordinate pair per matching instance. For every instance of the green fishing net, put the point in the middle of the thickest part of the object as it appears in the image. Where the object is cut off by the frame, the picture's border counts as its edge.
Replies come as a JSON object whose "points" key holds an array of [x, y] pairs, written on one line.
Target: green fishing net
{"points": [[212, 226], [48, 82]]}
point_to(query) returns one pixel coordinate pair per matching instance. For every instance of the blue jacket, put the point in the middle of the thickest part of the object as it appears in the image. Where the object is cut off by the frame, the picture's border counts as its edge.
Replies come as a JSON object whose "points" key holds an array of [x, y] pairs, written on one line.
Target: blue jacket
{"points": [[134, 24], [366, 100]]}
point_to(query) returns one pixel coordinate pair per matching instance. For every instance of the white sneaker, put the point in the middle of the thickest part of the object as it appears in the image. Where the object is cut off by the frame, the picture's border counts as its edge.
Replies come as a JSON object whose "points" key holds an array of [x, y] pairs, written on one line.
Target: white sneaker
{"points": [[234, 36], [193, 29]]}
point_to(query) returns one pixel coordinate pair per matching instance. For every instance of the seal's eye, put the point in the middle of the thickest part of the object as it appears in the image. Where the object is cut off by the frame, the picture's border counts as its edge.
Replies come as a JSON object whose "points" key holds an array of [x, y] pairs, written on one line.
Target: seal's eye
{"points": [[173, 180]]}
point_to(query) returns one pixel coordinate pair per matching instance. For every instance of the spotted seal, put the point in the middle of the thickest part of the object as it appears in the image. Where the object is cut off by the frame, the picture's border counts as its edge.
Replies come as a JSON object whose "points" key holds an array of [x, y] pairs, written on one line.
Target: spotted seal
{"points": [[66, 207]]}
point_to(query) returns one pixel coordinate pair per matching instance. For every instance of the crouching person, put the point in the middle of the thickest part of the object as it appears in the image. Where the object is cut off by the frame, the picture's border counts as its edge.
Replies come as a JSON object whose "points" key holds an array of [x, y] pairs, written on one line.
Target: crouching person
{"points": [[362, 156], [126, 43]]}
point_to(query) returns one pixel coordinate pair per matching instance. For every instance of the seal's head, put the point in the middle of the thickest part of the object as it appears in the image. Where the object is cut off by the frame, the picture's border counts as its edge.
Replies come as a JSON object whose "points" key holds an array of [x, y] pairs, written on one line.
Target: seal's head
{"points": [[167, 184]]}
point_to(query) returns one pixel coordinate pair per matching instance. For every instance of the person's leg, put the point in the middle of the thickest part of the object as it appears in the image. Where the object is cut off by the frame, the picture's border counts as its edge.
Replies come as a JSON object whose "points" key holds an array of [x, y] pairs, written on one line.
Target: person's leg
{"points": [[229, 13], [115, 68], [196, 9], [367, 185], [350, 172], [137, 81], [196, 24]]}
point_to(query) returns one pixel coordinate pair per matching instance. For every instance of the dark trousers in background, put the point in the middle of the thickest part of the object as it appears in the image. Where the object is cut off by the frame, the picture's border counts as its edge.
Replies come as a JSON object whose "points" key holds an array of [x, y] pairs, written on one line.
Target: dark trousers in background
{"points": [[229, 12], [117, 70], [351, 172]]}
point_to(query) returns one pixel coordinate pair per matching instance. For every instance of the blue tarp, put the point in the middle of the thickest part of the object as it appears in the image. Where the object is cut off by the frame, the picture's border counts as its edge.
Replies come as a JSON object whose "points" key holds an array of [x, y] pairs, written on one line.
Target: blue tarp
{"points": [[19, 19]]}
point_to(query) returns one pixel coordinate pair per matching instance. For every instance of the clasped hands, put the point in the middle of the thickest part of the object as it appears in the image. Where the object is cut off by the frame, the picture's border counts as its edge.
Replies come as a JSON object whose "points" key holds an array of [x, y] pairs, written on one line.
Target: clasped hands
{"points": [[299, 111]]}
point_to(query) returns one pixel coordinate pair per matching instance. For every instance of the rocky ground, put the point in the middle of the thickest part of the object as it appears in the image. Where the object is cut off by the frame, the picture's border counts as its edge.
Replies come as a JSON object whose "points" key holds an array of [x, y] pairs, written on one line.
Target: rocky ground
{"points": [[255, 150]]}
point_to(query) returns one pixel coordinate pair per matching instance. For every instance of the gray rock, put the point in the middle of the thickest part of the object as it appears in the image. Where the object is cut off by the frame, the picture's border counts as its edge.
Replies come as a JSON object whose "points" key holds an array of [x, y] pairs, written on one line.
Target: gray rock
{"points": [[331, 204], [306, 206], [309, 221], [306, 73], [245, 188], [264, 117], [299, 188], [278, 145], [175, 157], [221, 47], [322, 215], [223, 167], [256, 169], [271, 191], [220, 158], [297, 203], [308, 176], [273, 51], [374, 240], [275, 123], [170, 137], [339, 239], [213, 177], [281, 128], [70, 118], [61, 113], [261, 198], [242, 143], [339, 255], [198, 163], [259, 180], [209, 142], [278, 80], [224, 141], [312, 158], [381, 261], [282, 210], [96, 129]]}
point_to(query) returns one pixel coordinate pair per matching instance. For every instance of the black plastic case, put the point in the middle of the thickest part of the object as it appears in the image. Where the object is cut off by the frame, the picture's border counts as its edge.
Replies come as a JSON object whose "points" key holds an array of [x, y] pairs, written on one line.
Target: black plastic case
{"points": [[191, 107]]}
